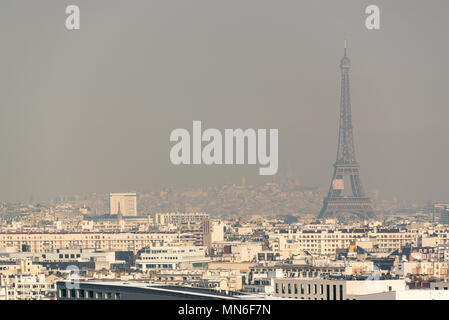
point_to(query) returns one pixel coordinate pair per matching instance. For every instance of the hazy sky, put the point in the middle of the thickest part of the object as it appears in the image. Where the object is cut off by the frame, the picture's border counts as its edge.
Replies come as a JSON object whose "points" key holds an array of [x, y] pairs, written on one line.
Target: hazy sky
{"points": [[92, 110]]}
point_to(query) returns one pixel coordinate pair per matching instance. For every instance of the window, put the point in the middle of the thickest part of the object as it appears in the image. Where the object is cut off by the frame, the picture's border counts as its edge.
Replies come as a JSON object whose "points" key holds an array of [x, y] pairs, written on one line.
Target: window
{"points": [[63, 293], [90, 294]]}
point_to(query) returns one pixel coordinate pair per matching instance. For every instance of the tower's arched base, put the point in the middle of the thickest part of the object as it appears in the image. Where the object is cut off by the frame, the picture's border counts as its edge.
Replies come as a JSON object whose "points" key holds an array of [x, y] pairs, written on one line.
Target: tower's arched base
{"points": [[345, 207]]}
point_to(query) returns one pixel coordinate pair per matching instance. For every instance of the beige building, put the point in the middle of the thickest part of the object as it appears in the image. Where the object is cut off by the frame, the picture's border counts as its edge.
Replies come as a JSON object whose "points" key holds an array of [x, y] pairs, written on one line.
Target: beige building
{"points": [[172, 258], [213, 232], [324, 289], [177, 218], [21, 266], [327, 241], [47, 242], [437, 269], [28, 287], [123, 203]]}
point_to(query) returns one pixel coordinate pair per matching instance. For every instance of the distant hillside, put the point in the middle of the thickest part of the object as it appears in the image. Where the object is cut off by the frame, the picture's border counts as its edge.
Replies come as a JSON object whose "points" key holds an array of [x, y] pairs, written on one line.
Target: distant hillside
{"points": [[281, 198]]}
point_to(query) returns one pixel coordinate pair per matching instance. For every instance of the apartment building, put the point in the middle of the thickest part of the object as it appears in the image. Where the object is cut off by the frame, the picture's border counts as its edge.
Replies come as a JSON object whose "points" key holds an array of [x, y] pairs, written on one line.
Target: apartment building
{"points": [[437, 269], [124, 204], [213, 231], [19, 266], [177, 257], [332, 289], [178, 218], [394, 238], [326, 242], [237, 251], [292, 270], [28, 287], [47, 242]]}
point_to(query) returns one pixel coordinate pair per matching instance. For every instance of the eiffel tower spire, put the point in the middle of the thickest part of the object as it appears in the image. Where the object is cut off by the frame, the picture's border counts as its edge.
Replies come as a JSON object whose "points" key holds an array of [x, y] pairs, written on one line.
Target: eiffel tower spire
{"points": [[336, 204]]}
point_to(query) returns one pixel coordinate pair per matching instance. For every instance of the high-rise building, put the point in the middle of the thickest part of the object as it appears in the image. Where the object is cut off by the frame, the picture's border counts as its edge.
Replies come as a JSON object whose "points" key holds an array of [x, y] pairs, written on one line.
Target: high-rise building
{"points": [[178, 218], [124, 204], [443, 210], [213, 232]]}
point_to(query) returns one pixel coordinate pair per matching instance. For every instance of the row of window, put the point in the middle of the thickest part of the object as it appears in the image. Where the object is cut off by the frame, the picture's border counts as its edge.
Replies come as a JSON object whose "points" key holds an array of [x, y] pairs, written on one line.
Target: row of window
{"points": [[155, 266], [159, 258], [66, 256], [310, 290], [88, 294]]}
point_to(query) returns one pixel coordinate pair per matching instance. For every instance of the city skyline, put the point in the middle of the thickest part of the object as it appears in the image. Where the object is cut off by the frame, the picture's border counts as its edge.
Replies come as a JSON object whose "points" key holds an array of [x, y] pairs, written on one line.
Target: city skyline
{"points": [[82, 113], [263, 154]]}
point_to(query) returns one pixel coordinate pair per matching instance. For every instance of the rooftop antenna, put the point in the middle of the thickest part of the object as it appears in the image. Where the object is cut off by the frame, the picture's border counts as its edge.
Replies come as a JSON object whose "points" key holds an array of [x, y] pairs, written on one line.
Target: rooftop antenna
{"points": [[346, 45]]}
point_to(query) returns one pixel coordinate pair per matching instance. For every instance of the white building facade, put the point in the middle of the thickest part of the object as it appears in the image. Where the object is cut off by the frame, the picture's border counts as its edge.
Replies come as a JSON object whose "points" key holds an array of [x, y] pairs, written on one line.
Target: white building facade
{"points": [[123, 203], [171, 258]]}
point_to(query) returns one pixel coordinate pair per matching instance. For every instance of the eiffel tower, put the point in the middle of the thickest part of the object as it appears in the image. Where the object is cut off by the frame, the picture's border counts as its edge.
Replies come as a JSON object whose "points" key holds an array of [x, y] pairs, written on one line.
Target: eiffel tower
{"points": [[336, 204]]}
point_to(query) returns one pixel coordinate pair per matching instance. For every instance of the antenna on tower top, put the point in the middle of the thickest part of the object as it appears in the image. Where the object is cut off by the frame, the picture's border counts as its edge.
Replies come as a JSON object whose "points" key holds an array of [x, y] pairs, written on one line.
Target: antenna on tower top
{"points": [[346, 45]]}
